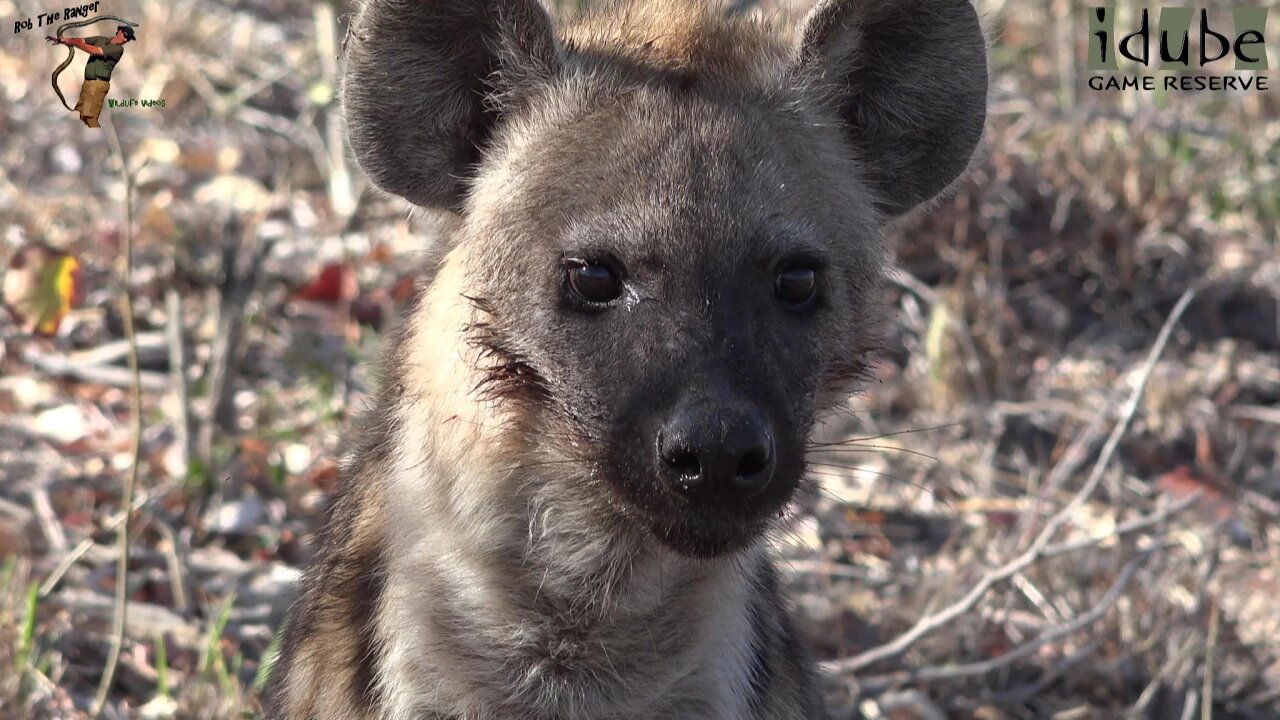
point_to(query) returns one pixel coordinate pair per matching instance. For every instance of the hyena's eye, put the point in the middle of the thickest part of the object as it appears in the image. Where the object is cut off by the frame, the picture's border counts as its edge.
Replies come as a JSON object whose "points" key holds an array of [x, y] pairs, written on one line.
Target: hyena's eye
{"points": [[796, 286], [592, 285]]}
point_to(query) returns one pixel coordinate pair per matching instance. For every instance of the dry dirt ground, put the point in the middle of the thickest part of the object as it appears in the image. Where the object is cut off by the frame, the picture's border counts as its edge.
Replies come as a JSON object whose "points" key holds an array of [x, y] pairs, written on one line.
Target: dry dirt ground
{"points": [[1045, 507]]}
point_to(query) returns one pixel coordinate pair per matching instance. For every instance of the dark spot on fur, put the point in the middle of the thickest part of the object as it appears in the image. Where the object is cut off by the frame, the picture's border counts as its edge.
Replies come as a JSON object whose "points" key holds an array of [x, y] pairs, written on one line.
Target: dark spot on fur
{"points": [[367, 589], [761, 669], [506, 375]]}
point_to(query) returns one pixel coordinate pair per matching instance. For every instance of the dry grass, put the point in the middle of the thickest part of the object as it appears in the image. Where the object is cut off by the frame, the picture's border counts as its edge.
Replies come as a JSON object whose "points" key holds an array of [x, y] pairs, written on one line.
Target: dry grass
{"points": [[1027, 309]]}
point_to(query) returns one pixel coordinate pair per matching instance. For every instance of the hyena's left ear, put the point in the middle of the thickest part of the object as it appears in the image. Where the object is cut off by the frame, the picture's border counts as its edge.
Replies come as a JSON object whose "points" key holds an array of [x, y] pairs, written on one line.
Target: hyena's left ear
{"points": [[425, 82], [909, 78]]}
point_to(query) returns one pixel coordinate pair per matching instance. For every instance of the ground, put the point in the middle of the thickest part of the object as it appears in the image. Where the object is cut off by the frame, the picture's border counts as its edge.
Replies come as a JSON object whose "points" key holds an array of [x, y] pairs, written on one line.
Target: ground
{"points": [[1044, 506]]}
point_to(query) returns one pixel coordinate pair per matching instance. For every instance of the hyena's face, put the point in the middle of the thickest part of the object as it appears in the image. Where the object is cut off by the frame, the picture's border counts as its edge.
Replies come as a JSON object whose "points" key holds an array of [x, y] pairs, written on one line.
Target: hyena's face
{"points": [[671, 232], [681, 284]]}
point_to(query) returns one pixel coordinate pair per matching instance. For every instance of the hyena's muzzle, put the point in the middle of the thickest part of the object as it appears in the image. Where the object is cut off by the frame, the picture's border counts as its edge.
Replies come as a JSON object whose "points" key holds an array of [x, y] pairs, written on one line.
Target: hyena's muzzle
{"points": [[717, 457], [708, 454]]}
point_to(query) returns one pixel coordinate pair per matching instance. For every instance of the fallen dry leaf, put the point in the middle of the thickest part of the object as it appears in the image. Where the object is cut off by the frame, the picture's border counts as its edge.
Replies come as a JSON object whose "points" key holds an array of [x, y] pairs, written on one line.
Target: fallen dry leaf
{"points": [[40, 287], [335, 283]]}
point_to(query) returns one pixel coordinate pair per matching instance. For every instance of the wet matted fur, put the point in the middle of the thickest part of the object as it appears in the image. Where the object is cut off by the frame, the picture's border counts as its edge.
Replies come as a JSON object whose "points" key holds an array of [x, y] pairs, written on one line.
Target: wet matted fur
{"points": [[504, 544]]}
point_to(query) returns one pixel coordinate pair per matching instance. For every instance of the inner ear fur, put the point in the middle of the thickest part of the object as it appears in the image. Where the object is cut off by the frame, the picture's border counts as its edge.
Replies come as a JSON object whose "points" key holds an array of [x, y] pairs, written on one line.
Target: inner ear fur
{"points": [[909, 79], [425, 81]]}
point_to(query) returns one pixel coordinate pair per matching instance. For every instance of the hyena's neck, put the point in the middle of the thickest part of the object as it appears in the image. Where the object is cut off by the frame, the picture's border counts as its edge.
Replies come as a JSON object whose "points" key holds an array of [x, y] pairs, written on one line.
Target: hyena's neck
{"points": [[498, 603]]}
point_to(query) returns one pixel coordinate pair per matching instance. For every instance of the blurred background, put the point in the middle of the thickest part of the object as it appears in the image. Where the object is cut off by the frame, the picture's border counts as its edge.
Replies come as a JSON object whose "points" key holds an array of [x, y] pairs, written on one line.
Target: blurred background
{"points": [[1018, 392]]}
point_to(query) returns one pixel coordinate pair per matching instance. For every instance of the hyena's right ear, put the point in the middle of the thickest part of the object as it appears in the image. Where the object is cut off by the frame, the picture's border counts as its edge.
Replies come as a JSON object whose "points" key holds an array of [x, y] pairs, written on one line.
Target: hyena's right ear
{"points": [[909, 79], [425, 82]]}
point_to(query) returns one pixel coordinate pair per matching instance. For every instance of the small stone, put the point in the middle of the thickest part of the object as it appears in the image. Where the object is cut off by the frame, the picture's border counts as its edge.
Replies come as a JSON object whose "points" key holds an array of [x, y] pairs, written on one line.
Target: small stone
{"points": [[297, 458], [26, 393], [237, 517], [160, 707], [64, 424]]}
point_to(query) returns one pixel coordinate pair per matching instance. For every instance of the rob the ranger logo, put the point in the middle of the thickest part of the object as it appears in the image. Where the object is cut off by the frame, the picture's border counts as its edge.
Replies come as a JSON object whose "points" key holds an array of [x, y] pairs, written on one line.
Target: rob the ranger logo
{"points": [[1170, 48]]}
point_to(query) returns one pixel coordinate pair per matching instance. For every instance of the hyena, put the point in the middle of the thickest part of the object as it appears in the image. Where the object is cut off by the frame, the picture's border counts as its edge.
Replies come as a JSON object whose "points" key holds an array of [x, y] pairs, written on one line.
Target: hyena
{"points": [[666, 264]]}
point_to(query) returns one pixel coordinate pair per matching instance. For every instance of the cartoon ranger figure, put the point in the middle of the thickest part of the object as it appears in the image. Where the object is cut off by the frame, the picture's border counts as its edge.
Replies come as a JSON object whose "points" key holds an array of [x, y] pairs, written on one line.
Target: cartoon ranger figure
{"points": [[104, 52]]}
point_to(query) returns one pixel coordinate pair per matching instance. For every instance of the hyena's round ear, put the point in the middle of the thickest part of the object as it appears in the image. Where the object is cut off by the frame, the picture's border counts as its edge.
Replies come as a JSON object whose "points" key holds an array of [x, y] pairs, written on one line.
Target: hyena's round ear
{"points": [[425, 82], [909, 78]]}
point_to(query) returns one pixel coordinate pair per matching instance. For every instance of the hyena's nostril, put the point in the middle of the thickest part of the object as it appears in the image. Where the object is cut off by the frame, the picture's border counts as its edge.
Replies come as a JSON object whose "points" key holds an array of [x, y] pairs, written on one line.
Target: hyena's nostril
{"points": [[756, 466], [685, 462], [707, 451]]}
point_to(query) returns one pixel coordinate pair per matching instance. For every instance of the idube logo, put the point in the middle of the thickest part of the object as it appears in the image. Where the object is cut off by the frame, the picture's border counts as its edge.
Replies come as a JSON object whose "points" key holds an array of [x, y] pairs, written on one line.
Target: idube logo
{"points": [[1167, 50]]}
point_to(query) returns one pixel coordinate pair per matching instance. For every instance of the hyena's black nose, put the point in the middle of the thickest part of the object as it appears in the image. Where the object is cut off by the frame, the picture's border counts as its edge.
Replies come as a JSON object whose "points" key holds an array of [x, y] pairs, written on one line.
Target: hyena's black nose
{"points": [[708, 451]]}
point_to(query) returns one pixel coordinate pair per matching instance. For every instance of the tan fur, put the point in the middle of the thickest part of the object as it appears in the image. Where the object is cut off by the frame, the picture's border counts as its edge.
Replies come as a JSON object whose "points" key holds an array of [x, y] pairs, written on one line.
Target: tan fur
{"points": [[683, 36]]}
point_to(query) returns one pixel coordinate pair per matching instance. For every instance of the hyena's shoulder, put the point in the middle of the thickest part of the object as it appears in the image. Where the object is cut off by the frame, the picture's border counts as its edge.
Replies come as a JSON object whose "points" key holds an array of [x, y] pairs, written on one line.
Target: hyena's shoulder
{"points": [[327, 667]]}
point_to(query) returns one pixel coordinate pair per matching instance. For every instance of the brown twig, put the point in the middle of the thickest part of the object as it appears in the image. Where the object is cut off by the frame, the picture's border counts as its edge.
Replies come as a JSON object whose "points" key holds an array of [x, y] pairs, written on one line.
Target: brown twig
{"points": [[982, 667], [931, 622], [242, 260], [341, 197], [50, 583], [43, 507], [1211, 648], [1169, 669], [178, 374], [1019, 695], [973, 362], [1257, 413], [131, 483], [908, 702], [827, 569], [1125, 528], [178, 575]]}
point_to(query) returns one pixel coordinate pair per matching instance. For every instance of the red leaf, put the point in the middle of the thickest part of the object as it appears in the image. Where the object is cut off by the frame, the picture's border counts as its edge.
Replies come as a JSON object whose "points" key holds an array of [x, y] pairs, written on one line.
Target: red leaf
{"points": [[404, 289], [334, 284], [381, 254], [1183, 481], [324, 475]]}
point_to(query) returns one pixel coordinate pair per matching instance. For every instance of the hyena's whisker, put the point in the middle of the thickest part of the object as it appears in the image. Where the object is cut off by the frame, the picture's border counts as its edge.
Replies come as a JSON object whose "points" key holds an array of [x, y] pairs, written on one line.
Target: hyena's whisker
{"points": [[858, 469], [852, 447], [843, 410], [841, 476], [894, 433], [835, 474], [825, 474]]}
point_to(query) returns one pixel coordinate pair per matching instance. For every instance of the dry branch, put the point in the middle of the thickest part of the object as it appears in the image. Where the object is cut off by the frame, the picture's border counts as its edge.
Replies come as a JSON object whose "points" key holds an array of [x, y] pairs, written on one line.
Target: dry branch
{"points": [[956, 672], [131, 483], [1035, 552]]}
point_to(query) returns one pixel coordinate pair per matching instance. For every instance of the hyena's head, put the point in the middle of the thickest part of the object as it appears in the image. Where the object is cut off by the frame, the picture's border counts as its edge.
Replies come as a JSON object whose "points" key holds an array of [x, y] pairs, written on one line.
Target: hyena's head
{"points": [[670, 224]]}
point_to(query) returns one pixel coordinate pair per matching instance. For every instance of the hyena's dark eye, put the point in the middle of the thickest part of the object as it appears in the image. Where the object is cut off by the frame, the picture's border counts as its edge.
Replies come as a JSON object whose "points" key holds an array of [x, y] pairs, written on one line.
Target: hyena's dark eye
{"points": [[593, 284], [796, 286]]}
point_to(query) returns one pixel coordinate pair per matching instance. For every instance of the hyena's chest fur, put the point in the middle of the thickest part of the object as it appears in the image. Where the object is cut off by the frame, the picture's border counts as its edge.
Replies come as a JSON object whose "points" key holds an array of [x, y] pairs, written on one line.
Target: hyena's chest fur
{"points": [[504, 599], [522, 643], [666, 267]]}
